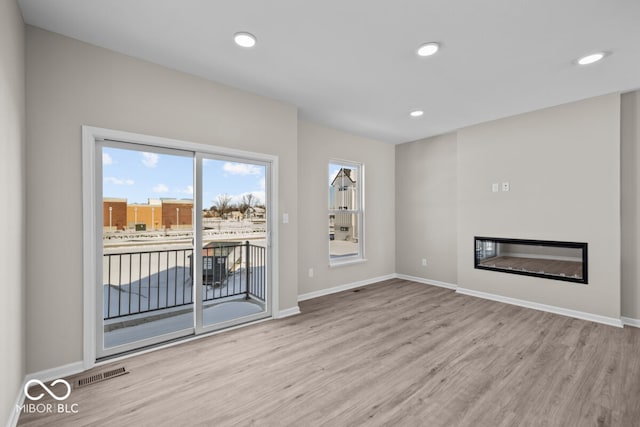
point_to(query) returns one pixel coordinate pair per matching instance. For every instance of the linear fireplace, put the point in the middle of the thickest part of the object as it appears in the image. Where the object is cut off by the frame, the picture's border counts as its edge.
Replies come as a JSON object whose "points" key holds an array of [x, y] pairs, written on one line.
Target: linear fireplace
{"points": [[541, 258]]}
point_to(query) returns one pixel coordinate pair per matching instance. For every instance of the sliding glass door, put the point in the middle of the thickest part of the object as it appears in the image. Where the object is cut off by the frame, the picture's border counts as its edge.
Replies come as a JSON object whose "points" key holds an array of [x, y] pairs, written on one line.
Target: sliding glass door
{"points": [[183, 247], [234, 240]]}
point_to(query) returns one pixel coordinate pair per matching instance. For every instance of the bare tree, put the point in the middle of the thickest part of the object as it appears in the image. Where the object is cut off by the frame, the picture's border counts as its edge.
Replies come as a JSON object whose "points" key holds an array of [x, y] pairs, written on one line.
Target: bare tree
{"points": [[223, 204], [248, 200]]}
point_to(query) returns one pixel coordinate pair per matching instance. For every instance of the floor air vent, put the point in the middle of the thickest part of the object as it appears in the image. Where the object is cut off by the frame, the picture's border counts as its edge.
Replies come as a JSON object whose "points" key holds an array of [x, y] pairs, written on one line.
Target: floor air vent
{"points": [[102, 376]]}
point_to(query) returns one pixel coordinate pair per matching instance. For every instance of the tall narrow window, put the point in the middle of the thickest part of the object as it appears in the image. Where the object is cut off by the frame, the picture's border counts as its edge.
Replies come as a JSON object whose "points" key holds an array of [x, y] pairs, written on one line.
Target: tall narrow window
{"points": [[346, 212]]}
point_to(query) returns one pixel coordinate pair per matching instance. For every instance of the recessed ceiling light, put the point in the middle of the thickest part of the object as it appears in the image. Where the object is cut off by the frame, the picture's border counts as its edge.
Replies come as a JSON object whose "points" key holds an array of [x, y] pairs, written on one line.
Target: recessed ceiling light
{"points": [[244, 39], [416, 113], [590, 59], [428, 49]]}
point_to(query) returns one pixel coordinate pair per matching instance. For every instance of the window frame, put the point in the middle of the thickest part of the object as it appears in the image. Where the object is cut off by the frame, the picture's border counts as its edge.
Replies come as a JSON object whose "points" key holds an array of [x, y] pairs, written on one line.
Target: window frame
{"points": [[359, 211], [92, 138]]}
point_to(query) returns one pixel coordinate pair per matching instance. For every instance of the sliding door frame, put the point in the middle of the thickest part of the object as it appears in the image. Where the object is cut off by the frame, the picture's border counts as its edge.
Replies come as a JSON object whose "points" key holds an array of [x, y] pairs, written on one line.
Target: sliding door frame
{"points": [[92, 230], [132, 346], [200, 326]]}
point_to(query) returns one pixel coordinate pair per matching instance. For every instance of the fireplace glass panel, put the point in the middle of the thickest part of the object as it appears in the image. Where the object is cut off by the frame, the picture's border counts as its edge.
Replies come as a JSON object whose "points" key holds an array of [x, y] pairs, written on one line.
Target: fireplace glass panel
{"points": [[549, 259]]}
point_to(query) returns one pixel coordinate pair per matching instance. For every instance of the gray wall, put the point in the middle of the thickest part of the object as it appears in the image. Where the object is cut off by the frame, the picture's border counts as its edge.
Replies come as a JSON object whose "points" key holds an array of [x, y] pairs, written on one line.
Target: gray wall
{"points": [[317, 145], [12, 214], [70, 84], [563, 164], [630, 160], [426, 208]]}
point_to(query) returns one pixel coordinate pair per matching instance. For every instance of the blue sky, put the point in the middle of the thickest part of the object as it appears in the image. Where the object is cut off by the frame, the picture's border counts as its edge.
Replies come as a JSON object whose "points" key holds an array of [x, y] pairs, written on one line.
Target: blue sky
{"points": [[138, 176], [333, 171]]}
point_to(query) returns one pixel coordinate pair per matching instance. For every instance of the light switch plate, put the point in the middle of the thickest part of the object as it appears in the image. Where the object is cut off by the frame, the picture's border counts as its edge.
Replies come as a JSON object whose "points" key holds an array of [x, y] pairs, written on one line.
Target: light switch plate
{"points": [[285, 218], [495, 187]]}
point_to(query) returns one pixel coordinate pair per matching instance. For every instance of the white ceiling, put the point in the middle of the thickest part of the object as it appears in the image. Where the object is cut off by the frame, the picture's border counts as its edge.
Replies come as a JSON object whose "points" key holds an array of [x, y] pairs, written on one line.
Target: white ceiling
{"points": [[351, 64]]}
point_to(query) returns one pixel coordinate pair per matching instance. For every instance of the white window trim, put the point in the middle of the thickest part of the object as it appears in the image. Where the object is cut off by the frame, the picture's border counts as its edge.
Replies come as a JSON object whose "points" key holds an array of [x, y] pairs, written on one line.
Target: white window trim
{"points": [[91, 232], [360, 185]]}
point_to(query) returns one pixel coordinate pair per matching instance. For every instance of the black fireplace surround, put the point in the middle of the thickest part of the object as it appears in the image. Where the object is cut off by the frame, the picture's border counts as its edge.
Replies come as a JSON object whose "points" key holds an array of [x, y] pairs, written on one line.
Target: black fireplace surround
{"points": [[549, 259]]}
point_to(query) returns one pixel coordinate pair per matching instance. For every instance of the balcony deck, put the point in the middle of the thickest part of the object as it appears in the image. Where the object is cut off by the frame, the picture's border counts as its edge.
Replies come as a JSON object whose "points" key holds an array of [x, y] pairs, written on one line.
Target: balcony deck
{"points": [[120, 331], [150, 293]]}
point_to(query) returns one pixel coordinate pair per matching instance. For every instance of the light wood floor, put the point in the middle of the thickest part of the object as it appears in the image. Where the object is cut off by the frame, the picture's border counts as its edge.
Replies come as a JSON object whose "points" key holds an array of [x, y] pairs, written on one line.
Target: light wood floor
{"points": [[395, 353]]}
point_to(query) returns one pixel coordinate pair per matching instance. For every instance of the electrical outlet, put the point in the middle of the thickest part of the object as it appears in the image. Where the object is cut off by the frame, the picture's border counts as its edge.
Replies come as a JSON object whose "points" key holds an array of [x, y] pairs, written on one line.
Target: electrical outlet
{"points": [[311, 272], [424, 262], [505, 186]]}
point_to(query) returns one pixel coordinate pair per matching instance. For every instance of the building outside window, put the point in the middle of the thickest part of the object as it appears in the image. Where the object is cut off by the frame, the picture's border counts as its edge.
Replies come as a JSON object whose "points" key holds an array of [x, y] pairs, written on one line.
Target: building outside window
{"points": [[346, 212]]}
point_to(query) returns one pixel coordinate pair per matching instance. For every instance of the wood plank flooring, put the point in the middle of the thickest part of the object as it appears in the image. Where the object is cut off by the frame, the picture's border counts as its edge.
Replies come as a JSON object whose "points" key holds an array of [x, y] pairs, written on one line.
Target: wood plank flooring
{"points": [[396, 353]]}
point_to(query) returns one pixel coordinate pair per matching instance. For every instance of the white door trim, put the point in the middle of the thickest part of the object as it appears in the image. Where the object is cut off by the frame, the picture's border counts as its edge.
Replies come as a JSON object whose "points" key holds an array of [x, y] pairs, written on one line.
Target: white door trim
{"points": [[91, 165]]}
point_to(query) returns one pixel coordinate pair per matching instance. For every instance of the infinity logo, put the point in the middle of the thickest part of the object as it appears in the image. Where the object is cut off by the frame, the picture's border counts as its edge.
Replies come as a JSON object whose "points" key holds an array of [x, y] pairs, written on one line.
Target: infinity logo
{"points": [[47, 389]]}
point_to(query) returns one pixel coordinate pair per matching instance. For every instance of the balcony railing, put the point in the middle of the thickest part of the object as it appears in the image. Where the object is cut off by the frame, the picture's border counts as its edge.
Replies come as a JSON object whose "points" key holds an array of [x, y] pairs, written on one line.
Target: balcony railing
{"points": [[148, 281]]}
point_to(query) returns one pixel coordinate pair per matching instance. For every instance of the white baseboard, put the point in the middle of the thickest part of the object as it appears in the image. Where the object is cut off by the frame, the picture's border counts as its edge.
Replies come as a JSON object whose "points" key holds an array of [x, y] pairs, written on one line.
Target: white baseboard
{"points": [[629, 321], [345, 287], [15, 413], [611, 321], [44, 376], [288, 312], [427, 281]]}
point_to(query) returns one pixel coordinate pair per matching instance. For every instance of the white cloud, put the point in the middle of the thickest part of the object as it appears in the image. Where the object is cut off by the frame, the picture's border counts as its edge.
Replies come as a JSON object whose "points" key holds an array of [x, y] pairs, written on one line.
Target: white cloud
{"points": [[150, 160], [160, 188], [261, 183], [106, 159], [119, 181], [188, 190], [241, 169]]}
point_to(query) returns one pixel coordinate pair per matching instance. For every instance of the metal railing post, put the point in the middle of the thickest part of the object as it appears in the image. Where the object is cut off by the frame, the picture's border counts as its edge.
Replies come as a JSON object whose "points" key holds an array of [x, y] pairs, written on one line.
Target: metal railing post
{"points": [[247, 265]]}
